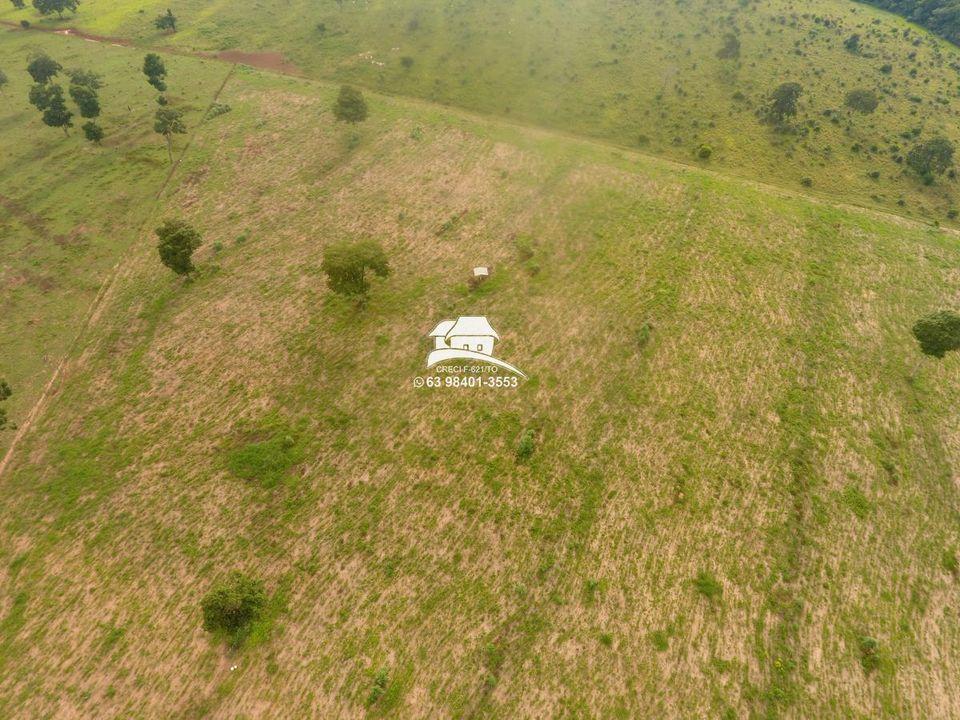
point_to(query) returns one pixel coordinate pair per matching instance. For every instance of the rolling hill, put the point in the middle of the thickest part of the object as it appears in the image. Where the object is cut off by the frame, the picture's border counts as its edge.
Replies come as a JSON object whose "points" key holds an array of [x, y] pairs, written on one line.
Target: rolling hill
{"points": [[740, 494], [659, 77]]}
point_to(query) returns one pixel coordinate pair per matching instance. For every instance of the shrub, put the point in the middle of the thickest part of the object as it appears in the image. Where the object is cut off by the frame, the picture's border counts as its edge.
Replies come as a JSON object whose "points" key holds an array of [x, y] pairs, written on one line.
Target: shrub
{"points": [[233, 605], [869, 653], [865, 101], [380, 682], [807, 182], [526, 445], [938, 333], [730, 49], [704, 152], [346, 265], [5, 390], [406, 61], [350, 106], [707, 585]]}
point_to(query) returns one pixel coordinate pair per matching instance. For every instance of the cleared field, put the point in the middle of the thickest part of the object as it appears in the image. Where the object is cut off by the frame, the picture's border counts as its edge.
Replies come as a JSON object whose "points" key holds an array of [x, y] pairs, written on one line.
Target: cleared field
{"points": [[69, 210], [722, 385], [640, 74]]}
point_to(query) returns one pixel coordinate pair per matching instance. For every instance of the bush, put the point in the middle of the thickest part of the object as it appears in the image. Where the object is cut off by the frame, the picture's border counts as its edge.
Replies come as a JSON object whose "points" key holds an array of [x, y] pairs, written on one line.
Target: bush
{"points": [[704, 152], [346, 265], [380, 682], [807, 182], [865, 101], [938, 333], [406, 61], [233, 605], [707, 585], [526, 445], [869, 654]]}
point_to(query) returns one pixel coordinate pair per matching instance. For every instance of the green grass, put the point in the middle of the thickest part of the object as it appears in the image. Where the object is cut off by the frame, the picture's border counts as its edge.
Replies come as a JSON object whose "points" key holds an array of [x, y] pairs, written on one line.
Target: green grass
{"points": [[642, 75], [69, 210], [720, 376]]}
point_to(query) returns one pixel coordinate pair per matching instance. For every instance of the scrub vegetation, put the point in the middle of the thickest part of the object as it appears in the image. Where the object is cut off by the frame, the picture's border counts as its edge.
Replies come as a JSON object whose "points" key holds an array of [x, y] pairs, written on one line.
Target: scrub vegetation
{"points": [[726, 488]]}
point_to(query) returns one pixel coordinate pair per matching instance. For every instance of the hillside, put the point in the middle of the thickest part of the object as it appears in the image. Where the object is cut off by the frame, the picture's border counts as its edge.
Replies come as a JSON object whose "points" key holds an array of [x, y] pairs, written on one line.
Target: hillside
{"points": [[741, 469], [642, 75]]}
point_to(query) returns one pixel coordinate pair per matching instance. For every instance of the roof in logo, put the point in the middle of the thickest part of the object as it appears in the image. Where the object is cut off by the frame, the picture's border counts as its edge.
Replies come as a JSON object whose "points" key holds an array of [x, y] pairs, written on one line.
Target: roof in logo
{"points": [[442, 328], [475, 325]]}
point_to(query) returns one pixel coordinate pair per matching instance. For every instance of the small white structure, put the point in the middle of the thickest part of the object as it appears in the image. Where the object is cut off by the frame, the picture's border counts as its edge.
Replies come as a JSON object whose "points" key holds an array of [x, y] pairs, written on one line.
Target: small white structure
{"points": [[481, 273]]}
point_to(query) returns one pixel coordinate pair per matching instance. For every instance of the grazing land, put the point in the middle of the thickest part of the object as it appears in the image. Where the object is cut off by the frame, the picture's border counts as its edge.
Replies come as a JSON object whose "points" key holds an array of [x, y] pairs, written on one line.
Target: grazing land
{"points": [[659, 77], [728, 486]]}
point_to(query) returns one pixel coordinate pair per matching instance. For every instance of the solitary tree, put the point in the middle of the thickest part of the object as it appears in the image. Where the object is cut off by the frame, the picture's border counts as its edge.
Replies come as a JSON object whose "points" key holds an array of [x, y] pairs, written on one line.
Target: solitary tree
{"points": [[178, 240], [55, 113], [852, 43], [93, 132], [166, 21], [346, 265], [42, 68], [3, 80], [169, 122], [783, 101], [155, 71], [933, 157], [865, 101], [938, 333], [46, 7], [5, 390], [231, 606], [350, 106]]}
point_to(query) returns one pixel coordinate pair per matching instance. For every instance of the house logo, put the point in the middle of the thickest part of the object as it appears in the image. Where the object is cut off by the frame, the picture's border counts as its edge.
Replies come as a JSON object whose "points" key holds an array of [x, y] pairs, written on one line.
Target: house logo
{"points": [[469, 337]]}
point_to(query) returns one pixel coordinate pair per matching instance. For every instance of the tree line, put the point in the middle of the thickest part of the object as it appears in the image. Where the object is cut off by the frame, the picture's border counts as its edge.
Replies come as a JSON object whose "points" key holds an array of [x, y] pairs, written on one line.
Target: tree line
{"points": [[940, 16]]}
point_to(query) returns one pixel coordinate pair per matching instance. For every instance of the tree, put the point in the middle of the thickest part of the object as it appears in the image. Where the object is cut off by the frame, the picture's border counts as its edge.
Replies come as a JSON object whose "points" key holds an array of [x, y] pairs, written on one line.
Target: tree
{"points": [[346, 265], [56, 114], [350, 106], [42, 68], [86, 100], [169, 122], [5, 390], [233, 605], [18, 4], [783, 101], [166, 21], [155, 71], [40, 96], [3, 80], [730, 49], [86, 78], [933, 157], [865, 101], [178, 240], [93, 132], [938, 333], [852, 43], [46, 7]]}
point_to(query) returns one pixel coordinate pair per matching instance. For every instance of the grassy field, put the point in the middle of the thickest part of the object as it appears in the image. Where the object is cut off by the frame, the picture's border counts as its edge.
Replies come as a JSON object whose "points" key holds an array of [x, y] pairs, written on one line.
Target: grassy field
{"points": [[69, 210], [643, 75], [742, 465]]}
